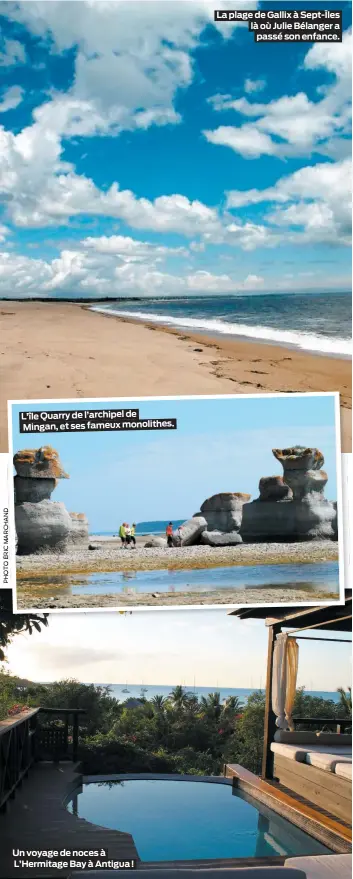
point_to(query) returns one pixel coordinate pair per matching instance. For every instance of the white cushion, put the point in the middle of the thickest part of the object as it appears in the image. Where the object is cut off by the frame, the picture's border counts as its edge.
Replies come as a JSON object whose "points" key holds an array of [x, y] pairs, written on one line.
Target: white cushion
{"points": [[292, 752], [322, 759], [344, 770], [323, 866]]}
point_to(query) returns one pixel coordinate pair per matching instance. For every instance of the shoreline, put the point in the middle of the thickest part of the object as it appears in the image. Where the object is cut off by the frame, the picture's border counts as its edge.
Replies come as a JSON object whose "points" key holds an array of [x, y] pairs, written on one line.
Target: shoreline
{"points": [[224, 598], [227, 337], [65, 350], [110, 559]]}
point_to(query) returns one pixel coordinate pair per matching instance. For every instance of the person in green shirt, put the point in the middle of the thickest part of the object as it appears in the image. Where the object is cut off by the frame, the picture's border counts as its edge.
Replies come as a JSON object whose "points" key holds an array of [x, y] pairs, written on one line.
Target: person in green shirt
{"points": [[133, 538], [122, 534]]}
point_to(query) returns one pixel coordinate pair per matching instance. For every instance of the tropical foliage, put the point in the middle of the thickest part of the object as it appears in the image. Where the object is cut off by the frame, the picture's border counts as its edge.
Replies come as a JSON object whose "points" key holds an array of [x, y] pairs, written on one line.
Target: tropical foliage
{"points": [[180, 733]]}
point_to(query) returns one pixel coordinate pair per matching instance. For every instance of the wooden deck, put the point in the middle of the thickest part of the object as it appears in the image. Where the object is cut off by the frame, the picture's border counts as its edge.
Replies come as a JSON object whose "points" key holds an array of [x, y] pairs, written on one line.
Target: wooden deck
{"points": [[333, 833], [37, 820]]}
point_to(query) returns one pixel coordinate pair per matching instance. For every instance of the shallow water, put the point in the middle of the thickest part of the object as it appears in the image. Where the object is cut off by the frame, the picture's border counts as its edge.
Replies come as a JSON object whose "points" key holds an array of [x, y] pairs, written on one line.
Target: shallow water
{"points": [[320, 576], [189, 820]]}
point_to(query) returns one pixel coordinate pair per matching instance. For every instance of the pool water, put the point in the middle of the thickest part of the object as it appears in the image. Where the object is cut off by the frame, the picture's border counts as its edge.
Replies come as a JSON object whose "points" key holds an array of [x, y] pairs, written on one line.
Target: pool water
{"points": [[315, 577], [190, 820]]}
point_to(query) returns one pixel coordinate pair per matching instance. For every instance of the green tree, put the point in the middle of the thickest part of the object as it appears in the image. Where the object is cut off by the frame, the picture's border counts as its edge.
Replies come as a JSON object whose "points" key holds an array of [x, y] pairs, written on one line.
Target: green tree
{"points": [[179, 697], [211, 705], [345, 700]]}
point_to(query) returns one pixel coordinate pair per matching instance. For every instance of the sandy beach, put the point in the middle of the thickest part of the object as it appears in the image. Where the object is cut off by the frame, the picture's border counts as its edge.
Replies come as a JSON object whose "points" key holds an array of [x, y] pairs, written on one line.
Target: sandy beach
{"points": [[62, 350], [224, 597]]}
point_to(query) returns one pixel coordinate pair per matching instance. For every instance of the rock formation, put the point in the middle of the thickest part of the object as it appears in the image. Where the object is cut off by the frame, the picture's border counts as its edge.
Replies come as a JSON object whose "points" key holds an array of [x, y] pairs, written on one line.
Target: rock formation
{"points": [[155, 542], [189, 532], [291, 508], [223, 514], [43, 524]]}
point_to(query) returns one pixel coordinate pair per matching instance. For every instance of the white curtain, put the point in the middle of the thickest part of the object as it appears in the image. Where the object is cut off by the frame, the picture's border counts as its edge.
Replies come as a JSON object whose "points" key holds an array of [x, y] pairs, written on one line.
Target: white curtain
{"points": [[284, 680]]}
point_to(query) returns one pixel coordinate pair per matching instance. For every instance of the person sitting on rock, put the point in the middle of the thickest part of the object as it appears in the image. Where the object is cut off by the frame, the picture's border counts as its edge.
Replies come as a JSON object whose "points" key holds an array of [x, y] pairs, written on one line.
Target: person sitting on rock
{"points": [[169, 533], [122, 534], [133, 530]]}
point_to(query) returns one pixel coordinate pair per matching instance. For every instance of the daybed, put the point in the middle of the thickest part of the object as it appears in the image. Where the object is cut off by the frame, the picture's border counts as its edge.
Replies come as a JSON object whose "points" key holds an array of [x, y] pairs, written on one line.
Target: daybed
{"points": [[318, 766]]}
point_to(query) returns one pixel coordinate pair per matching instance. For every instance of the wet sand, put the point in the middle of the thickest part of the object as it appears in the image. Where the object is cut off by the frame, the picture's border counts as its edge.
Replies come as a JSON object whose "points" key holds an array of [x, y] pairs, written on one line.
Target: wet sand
{"points": [[64, 350], [223, 597]]}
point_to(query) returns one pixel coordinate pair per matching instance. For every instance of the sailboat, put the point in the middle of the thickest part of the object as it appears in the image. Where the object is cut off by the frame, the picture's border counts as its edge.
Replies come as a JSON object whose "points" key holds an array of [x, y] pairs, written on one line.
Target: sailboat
{"points": [[125, 689]]}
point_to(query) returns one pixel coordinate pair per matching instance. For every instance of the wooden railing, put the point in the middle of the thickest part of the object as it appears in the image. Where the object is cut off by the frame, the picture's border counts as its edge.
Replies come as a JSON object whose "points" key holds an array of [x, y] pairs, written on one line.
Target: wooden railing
{"points": [[58, 735], [27, 738], [17, 752], [339, 724]]}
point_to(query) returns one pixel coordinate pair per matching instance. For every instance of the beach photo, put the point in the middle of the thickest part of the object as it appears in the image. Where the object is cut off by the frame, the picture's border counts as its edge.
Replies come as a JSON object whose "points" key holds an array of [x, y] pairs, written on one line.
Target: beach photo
{"points": [[175, 215], [164, 740], [176, 501]]}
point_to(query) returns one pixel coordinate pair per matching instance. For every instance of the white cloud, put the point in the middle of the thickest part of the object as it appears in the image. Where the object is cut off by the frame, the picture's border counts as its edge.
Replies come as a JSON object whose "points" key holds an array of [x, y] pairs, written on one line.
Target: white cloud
{"points": [[294, 125], [254, 85], [246, 140], [12, 54], [130, 250], [316, 198], [131, 58], [11, 98]]}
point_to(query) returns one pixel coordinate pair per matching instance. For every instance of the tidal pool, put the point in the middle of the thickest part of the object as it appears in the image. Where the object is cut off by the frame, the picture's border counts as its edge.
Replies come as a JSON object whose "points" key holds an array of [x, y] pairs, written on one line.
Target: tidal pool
{"points": [[317, 577]]}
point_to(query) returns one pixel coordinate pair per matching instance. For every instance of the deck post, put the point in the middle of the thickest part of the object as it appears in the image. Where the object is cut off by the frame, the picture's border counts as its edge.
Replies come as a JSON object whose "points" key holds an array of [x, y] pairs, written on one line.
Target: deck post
{"points": [[75, 737], [270, 719]]}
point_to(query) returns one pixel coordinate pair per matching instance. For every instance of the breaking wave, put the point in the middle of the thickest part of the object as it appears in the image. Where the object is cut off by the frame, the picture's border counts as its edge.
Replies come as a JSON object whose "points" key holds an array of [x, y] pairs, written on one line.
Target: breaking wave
{"points": [[319, 344]]}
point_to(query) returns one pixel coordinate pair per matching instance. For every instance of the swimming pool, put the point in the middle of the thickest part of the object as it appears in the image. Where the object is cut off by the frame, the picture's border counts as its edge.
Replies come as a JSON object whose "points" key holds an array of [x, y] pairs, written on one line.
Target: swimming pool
{"points": [[179, 820]]}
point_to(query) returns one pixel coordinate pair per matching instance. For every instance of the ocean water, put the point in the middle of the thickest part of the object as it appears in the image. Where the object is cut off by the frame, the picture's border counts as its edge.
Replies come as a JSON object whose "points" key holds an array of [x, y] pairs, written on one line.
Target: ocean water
{"points": [[134, 691], [153, 527], [317, 322]]}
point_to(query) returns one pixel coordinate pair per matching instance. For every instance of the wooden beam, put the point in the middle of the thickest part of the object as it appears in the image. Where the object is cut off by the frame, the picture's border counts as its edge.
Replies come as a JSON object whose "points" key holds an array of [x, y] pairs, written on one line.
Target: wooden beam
{"points": [[270, 718]]}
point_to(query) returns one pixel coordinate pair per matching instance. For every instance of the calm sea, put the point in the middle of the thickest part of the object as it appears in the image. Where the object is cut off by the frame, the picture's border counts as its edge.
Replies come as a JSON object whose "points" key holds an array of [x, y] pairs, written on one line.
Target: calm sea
{"points": [[150, 690], [318, 322]]}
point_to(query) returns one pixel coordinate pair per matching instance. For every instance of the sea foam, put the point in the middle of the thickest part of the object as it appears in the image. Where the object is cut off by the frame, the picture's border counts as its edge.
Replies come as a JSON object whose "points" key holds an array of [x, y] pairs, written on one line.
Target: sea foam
{"points": [[319, 344]]}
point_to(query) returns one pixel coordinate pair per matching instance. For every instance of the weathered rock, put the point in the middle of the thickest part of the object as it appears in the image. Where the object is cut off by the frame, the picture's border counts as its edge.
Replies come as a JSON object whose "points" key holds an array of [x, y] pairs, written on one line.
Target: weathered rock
{"points": [[42, 526], [189, 532], [272, 488], [33, 489], [304, 514], [40, 463], [220, 538], [79, 533], [154, 542], [223, 512]]}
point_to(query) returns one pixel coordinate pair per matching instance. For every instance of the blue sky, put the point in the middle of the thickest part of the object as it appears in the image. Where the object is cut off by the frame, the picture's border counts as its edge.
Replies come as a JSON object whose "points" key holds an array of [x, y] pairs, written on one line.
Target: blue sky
{"points": [[219, 445], [146, 151], [168, 647]]}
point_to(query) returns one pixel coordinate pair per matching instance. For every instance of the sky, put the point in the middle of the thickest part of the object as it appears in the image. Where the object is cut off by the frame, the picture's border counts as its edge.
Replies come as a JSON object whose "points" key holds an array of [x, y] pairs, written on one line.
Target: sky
{"points": [[146, 150], [167, 648], [219, 445]]}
